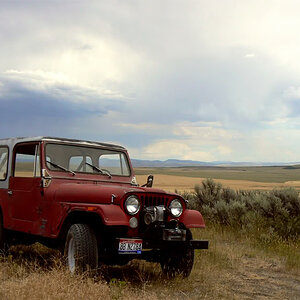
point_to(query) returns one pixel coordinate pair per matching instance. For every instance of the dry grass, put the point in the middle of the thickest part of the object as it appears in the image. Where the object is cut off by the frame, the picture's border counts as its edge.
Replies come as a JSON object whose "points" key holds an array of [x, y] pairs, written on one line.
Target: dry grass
{"points": [[182, 183], [233, 268], [29, 280], [236, 266]]}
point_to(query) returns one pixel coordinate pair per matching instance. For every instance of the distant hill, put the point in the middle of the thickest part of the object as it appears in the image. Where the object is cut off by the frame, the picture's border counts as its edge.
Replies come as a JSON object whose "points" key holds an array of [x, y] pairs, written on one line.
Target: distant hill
{"points": [[166, 163], [138, 163]]}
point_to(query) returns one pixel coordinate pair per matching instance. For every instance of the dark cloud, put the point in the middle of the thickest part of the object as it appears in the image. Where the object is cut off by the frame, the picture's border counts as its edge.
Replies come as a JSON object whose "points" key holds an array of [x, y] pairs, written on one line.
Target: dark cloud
{"points": [[32, 110]]}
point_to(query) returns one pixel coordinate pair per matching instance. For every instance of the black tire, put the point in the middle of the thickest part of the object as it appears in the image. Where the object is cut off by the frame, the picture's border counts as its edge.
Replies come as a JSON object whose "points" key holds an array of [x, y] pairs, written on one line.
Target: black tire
{"points": [[178, 261], [81, 250]]}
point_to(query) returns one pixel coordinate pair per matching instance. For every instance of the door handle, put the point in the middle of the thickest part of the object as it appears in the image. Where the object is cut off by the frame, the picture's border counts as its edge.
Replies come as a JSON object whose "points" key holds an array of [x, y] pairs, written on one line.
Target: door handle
{"points": [[9, 193]]}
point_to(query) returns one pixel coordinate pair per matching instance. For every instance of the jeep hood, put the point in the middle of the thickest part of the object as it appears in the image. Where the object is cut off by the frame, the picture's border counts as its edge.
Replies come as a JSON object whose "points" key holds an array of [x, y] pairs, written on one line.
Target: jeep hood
{"points": [[99, 193]]}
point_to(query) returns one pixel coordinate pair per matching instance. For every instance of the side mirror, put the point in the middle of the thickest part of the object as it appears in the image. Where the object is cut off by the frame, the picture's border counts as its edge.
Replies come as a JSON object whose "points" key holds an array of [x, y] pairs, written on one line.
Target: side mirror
{"points": [[149, 181]]}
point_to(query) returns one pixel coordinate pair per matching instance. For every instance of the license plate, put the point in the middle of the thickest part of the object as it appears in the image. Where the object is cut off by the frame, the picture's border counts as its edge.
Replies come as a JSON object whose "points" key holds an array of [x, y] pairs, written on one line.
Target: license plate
{"points": [[130, 246]]}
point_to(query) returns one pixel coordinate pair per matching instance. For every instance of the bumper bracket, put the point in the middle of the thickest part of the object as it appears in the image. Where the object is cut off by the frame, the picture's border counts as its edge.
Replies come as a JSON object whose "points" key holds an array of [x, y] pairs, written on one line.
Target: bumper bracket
{"points": [[199, 244]]}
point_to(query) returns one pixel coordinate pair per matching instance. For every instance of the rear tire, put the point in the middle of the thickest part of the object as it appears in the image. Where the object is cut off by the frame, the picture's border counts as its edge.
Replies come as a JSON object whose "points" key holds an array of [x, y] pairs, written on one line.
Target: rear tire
{"points": [[81, 250]]}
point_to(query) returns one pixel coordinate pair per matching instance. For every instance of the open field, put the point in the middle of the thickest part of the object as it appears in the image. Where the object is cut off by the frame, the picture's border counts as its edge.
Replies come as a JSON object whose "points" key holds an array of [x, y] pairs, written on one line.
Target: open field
{"points": [[248, 178], [238, 264], [235, 267]]}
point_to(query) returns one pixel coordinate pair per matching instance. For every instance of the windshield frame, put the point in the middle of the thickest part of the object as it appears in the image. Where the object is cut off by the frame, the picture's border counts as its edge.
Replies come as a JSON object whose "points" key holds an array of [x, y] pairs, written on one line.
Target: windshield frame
{"points": [[94, 147]]}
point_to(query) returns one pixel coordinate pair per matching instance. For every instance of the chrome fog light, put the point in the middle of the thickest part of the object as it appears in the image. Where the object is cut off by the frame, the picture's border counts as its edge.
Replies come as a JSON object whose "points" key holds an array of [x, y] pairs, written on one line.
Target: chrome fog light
{"points": [[133, 222]]}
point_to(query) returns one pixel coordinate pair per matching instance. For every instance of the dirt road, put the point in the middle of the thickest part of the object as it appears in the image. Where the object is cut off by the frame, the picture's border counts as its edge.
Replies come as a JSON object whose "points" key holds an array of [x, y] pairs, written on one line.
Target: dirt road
{"points": [[263, 279]]}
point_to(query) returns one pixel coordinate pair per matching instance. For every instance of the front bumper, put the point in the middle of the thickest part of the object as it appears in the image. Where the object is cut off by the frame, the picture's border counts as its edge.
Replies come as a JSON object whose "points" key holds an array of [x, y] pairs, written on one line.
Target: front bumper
{"points": [[155, 254], [180, 236], [170, 239], [152, 244], [198, 244]]}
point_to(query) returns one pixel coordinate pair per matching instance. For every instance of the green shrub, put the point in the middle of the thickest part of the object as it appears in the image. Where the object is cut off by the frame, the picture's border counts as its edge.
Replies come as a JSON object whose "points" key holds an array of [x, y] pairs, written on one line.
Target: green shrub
{"points": [[268, 214], [209, 193]]}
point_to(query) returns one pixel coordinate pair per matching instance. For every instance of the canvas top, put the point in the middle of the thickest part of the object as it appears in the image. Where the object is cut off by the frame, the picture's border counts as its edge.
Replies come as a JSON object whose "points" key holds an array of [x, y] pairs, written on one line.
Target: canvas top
{"points": [[16, 140]]}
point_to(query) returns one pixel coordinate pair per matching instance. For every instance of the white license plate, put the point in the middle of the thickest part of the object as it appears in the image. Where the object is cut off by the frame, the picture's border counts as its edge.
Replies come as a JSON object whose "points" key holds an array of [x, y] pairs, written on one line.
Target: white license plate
{"points": [[130, 246]]}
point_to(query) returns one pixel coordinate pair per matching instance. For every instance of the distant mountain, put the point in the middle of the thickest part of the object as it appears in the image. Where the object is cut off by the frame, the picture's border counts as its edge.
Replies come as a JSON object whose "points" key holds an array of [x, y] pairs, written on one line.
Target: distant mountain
{"points": [[167, 163], [138, 163]]}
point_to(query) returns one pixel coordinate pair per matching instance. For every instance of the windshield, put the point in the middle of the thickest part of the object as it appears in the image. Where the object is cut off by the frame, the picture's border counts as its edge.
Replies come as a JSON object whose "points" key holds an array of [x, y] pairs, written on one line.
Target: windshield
{"points": [[80, 159]]}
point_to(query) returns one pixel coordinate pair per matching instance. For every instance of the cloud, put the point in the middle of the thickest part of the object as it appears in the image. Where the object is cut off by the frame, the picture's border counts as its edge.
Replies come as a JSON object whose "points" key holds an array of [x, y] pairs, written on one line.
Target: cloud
{"points": [[209, 81], [34, 102], [166, 149], [229, 90], [205, 131], [192, 141], [167, 64], [270, 144]]}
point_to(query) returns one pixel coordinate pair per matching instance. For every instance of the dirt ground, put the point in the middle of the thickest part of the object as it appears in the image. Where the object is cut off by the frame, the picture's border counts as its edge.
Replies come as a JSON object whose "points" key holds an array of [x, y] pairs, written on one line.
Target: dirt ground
{"points": [[237, 269], [263, 279], [183, 183]]}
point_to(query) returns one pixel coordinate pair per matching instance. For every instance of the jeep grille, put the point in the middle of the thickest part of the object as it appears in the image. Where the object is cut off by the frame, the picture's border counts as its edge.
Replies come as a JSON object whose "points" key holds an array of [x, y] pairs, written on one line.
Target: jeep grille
{"points": [[152, 200]]}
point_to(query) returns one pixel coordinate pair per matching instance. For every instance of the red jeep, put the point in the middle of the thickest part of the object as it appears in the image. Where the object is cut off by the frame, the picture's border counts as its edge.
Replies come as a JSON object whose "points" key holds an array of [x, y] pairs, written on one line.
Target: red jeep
{"points": [[83, 197]]}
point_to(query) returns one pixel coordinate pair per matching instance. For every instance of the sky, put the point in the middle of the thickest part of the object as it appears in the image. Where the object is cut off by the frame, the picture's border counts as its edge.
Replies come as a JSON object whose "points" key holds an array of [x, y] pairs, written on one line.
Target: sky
{"points": [[195, 80]]}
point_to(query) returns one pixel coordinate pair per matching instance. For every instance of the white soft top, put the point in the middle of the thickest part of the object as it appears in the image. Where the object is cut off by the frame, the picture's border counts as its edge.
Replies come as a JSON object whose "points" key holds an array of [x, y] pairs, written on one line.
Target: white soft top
{"points": [[11, 142]]}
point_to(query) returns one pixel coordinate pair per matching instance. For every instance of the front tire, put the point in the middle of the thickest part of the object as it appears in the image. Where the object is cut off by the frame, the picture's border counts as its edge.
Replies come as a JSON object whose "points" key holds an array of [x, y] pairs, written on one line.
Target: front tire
{"points": [[178, 261], [81, 250]]}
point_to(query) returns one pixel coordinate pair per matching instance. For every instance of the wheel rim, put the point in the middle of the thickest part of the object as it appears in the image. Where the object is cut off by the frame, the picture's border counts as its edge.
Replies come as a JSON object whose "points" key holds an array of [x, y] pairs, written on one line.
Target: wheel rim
{"points": [[71, 255]]}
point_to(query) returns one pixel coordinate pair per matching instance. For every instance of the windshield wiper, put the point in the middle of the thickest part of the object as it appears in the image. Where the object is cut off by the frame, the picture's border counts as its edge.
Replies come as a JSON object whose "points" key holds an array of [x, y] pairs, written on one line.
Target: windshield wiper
{"points": [[102, 171], [60, 167]]}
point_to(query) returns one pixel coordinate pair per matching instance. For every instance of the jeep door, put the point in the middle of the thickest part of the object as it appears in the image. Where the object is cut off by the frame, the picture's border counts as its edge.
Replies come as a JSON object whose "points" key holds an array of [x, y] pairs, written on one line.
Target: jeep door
{"points": [[25, 187]]}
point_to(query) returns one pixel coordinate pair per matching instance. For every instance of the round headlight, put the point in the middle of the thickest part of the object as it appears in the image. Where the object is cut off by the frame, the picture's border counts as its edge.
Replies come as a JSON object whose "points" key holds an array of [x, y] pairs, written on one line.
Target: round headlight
{"points": [[176, 208], [132, 205]]}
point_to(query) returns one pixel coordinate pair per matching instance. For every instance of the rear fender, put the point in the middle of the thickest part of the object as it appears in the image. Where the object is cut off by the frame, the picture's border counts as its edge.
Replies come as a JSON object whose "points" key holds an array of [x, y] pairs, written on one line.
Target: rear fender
{"points": [[192, 219]]}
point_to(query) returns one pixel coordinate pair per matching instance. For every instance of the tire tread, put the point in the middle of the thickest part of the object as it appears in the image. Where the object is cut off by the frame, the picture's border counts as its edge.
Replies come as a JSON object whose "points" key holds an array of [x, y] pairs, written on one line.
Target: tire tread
{"points": [[86, 246]]}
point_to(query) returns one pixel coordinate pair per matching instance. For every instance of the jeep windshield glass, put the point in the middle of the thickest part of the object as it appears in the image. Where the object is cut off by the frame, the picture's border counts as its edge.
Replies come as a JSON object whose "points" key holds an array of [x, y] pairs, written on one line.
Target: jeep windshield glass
{"points": [[81, 159], [59, 167], [102, 171]]}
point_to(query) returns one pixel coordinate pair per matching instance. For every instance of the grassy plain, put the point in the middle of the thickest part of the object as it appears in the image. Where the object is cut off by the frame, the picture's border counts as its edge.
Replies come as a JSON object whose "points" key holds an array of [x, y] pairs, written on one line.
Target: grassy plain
{"points": [[261, 174], [234, 267], [238, 178]]}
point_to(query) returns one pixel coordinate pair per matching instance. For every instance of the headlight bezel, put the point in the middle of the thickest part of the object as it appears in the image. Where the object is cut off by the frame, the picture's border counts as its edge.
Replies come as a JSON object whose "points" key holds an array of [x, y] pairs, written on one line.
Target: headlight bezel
{"points": [[176, 204], [128, 204]]}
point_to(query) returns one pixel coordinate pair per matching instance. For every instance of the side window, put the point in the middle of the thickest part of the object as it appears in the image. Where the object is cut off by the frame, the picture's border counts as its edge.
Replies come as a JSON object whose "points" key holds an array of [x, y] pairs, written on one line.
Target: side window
{"points": [[3, 162], [80, 164], [27, 161]]}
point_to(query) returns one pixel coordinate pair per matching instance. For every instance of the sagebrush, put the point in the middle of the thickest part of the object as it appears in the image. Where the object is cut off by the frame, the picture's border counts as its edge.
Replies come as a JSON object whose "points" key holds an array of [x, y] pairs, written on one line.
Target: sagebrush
{"points": [[275, 214]]}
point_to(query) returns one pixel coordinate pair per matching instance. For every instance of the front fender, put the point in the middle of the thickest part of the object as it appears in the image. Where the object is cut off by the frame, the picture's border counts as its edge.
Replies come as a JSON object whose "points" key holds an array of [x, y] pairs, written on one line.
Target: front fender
{"points": [[192, 219], [112, 215]]}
